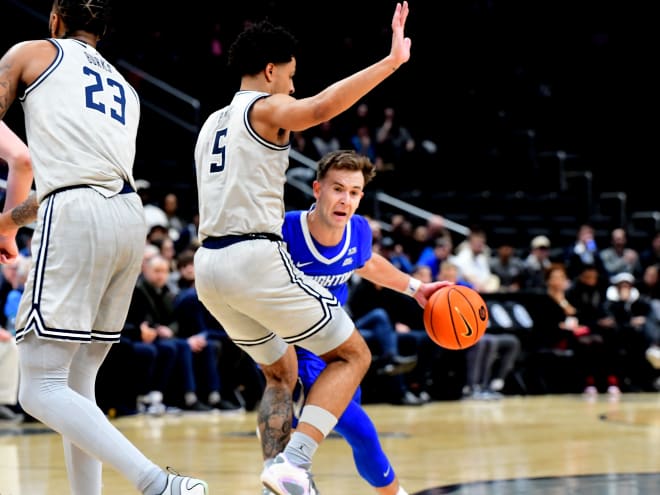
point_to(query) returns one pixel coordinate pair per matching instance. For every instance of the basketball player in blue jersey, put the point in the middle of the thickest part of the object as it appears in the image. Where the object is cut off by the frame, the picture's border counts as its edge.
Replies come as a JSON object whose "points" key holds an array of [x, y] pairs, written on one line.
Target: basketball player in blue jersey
{"points": [[81, 120], [330, 243], [245, 276]]}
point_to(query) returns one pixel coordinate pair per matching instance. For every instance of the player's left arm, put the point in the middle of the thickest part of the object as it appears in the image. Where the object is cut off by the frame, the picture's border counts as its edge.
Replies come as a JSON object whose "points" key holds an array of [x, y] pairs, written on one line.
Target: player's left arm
{"points": [[380, 271]]}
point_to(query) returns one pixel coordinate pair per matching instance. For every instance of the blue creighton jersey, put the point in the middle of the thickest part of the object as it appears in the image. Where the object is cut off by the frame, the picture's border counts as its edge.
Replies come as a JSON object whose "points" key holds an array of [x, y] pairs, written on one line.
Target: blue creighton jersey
{"points": [[331, 266]]}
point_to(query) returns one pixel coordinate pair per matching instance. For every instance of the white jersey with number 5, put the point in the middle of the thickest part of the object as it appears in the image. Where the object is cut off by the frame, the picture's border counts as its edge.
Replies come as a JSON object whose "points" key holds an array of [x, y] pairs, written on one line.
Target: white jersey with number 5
{"points": [[240, 175], [100, 113]]}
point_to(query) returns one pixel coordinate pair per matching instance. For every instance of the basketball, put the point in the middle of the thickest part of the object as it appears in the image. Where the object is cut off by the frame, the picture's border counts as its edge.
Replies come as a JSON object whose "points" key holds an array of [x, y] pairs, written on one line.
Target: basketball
{"points": [[455, 317]]}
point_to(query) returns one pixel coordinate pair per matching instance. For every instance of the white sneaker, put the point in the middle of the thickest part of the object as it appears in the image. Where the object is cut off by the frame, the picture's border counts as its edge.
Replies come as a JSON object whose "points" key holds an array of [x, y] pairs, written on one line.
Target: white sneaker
{"points": [[283, 478], [151, 404], [614, 390], [183, 485], [590, 392], [497, 384], [653, 356]]}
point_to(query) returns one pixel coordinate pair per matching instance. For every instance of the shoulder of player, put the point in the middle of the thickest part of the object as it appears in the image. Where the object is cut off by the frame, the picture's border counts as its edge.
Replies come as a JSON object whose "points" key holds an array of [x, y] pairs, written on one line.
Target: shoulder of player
{"points": [[360, 222], [291, 225], [292, 215], [31, 49]]}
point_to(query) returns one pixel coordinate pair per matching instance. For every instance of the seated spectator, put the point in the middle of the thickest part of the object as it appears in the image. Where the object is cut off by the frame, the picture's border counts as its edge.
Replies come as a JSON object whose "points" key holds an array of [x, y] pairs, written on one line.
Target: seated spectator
{"points": [[574, 319], [394, 142], [650, 283], [196, 323], [509, 268], [434, 256], [395, 254], [473, 262], [619, 257], [537, 264], [408, 318], [489, 362], [184, 275], [303, 145], [363, 143], [175, 223], [151, 321], [373, 322], [584, 251], [325, 140], [637, 330], [650, 255]]}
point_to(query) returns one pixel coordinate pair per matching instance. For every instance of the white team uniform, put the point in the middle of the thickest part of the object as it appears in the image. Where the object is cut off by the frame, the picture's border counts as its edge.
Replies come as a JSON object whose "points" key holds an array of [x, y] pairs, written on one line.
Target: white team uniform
{"points": [[90, 234], [252, 287]]}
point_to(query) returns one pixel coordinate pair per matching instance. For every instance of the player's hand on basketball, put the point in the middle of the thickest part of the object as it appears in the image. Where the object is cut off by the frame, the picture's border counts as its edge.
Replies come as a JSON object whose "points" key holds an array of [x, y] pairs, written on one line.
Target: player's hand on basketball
{"points": [[426, 290], [400, 51]]}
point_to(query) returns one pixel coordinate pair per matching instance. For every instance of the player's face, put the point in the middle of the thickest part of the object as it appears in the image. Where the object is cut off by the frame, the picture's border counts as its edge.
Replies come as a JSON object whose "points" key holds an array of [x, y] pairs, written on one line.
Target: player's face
{"points": [[338, 196], [283, 78]]}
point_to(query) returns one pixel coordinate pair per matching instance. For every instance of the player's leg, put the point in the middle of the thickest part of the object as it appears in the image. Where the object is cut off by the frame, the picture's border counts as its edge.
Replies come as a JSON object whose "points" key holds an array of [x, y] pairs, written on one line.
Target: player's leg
{"points": [[508, 350], [84, 470], [372, 463], [335, 386], [45, 394], [275, 413], [475, 358]]}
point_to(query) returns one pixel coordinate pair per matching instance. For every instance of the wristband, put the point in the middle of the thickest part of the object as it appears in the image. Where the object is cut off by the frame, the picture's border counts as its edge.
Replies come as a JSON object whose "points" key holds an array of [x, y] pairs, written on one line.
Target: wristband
{"points": [[413, 286]]}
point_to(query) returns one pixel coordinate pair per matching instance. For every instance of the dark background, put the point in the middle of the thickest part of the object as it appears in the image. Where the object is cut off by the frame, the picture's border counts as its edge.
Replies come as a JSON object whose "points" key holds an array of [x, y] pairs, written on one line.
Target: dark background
{"points": [[499, 86]]}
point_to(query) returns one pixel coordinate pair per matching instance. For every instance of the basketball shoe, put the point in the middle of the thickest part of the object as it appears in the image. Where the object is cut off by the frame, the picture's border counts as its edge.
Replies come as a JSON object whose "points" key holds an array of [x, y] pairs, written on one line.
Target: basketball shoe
{"points": [[283, 478], [183, 485]]}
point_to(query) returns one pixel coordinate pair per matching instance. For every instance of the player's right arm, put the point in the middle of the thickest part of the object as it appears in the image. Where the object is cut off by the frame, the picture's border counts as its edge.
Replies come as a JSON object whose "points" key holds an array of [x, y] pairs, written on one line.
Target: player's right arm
{"points": [[285, 112], [19, 179], [380, 271], [21, 65], [19, 182]]}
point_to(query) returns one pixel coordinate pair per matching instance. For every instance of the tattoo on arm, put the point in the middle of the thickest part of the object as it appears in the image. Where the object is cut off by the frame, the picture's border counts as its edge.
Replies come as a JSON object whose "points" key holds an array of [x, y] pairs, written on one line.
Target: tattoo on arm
{"points": [[26, 212]]}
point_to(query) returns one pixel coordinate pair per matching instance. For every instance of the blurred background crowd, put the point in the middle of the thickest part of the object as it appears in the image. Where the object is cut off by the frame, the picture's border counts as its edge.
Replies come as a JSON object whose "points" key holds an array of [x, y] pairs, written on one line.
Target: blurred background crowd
{"points": [[516, 138]]}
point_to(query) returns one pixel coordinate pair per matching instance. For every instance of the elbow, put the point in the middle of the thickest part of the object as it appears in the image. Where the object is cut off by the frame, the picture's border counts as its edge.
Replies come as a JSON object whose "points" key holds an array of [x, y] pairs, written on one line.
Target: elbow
{"points": [[21, 163]]}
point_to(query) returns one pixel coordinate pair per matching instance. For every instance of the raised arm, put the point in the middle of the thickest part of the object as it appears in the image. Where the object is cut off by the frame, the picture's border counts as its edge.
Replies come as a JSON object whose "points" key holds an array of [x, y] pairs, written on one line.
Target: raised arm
{"points": [[285, 112]]}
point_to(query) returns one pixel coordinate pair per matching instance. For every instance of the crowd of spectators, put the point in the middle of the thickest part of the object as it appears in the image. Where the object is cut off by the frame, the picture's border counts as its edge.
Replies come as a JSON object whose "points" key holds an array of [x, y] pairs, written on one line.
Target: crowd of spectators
{"points": [[598, 304]]}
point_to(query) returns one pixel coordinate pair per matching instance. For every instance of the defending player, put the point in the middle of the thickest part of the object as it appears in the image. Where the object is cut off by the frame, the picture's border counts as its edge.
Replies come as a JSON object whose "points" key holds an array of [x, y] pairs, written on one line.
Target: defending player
{"points": [[245, 276], [81, 120]]}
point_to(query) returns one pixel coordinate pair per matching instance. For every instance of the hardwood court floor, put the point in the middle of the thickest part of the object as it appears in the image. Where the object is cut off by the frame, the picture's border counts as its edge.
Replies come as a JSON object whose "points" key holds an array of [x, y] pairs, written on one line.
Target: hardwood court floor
{"points": [[516, 445]]}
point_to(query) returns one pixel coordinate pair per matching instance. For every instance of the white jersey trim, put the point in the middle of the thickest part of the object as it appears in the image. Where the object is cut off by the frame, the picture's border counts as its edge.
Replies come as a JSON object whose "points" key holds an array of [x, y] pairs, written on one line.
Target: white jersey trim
{"points": [[54, 64]]}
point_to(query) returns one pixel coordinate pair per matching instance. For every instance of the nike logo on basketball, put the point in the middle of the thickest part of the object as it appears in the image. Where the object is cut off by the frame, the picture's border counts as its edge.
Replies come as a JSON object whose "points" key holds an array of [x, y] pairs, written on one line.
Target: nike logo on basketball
{"points": [[301, 264], [469, 332]]}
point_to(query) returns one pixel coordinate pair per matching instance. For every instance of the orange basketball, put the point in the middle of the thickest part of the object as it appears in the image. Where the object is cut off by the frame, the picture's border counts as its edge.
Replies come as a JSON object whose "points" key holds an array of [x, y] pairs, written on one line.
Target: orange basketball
{"points": [[455, 317]]}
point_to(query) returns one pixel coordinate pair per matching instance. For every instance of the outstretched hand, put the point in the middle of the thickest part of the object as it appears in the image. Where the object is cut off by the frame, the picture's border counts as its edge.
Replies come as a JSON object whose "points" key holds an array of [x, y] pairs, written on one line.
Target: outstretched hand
{"points": [[400, 51], [425, 291]]}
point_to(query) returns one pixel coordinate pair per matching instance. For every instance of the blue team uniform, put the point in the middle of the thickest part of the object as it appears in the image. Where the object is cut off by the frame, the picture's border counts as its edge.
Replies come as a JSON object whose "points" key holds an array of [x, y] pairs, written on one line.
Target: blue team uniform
{"points": [[333, 267]]}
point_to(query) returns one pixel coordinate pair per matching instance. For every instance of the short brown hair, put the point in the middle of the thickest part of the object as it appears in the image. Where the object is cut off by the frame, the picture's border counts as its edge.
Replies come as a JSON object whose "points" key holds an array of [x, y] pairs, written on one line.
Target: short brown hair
{"points": [[346, 160]]}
